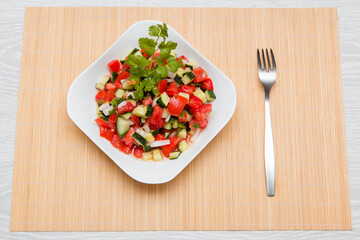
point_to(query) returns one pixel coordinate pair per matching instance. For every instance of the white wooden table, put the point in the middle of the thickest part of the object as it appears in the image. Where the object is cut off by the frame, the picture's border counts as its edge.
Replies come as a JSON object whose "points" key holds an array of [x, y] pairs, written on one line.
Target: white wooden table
{"points": [[11, 29]]}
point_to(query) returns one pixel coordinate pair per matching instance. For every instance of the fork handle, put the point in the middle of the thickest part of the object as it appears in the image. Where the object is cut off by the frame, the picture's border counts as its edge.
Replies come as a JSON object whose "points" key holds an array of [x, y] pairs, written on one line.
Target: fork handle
{"points": [[269, 150]]}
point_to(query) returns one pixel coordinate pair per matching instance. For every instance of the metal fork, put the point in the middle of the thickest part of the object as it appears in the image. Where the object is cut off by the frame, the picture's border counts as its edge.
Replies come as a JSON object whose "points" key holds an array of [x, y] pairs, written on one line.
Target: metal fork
{"points": [[267, 76]]}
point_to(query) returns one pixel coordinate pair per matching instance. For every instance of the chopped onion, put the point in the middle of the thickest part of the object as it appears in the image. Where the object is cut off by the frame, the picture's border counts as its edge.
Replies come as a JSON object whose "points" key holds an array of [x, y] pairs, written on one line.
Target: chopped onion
{"points": [[195, 136], [141, 132], [107, 110], [173, 134], [159, 143], [131, 122], [154, 102], [105, 105], [165, 113], [167, 118], [171, 74], [123, 103], [130, 94], [146, 127]]}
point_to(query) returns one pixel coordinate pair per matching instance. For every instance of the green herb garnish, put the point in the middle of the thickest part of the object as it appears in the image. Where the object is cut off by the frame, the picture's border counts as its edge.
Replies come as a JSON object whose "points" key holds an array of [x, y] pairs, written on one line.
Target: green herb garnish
{"points": [[148, 71]]}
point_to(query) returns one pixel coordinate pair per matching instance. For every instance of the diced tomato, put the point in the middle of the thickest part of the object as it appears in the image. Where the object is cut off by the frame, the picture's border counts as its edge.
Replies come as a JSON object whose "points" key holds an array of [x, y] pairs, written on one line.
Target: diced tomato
{"points": [[200, 74], [135, 120], [207, 84], [102, 123], [167, 149], [109, 134], [202, 112], [195, 102], [118, 85], [192, 122], [110, 94], [203, 123], [183, 118], [128, 139], [128, 107], [159, 136], [103, 131], [114, 66], [112, 121], [176, 105], [122, 75], [183, 57], [155, 121], [138, 152], [132, 82], [126, 149], [116, 141], [172, 89], [101, 95], [109, 86], [189, 89], [125, 66], [144, 53], [162, 84], [147, 101]]}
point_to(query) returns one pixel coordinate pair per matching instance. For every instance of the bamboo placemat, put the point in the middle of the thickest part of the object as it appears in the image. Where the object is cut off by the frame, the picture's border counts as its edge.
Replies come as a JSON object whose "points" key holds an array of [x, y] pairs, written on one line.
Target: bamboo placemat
{"points": [[63, 182]]}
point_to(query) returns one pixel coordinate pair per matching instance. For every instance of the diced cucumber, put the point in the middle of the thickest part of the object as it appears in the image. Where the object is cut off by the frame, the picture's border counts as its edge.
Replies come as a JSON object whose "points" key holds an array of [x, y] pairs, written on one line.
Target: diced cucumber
{"points": [[140, 111], [146, 156], [190, 65], [114, 102], [122, 126], [179, 74], [157, 155], [173, 53], [142, 120], [149, 137], [104, 80], [200, 94], [155, 132], [99, 86], [122, 59], [138, 53], [149, 111], [175, 124], [185, 95], [134, 51], [139, 139], [187, 69], [210, 95], [147, 148], [165, 113], [183, 146], [182, 133], [167, 126], [174, 155], [126, 115], [128, 86], [167, 134], [189, 116], [133, 102], [163, 100], [188, 78], [119, 93]]}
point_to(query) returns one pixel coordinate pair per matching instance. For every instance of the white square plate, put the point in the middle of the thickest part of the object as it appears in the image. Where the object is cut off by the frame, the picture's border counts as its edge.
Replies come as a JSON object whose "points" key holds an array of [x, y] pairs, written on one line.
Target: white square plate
{"points": [[81, 106]]}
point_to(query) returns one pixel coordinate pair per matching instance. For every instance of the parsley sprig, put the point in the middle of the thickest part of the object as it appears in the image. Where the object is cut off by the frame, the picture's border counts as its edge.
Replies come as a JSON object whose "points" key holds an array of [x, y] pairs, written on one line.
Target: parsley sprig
{"points": [[148, 71]]}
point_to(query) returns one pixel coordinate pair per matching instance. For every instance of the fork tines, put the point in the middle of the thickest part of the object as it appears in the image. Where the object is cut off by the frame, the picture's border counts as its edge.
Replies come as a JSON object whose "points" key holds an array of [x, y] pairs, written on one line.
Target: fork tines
{"points": [[263, 65]]}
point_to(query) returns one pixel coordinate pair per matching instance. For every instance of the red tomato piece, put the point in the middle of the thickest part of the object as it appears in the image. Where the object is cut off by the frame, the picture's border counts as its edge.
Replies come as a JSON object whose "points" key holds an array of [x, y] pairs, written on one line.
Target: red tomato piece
{"points": [[207, 84], [114, 65], [102, 123], [101, 95], [112, 121], [183, 119], [155, 121], [200, 74], [174, 141], [195, 102], [172, 89], [189, 89], [176, 105], [118, 85], [135, 120], [159, 136], [109, 134], [162, 84], [192, 122], [183, 57], [138, 152], [128, 107], [110, 94], [109, 86], [128, 139], [103, 131], [144, 53], [147, 101], [116, 141], [122, 75], [202, 112], [126, 149], [203, 123]]}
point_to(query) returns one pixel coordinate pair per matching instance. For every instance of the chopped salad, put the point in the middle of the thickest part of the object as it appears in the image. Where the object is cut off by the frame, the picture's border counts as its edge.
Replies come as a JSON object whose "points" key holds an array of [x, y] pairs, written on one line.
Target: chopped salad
{"points": [[153, 103]]}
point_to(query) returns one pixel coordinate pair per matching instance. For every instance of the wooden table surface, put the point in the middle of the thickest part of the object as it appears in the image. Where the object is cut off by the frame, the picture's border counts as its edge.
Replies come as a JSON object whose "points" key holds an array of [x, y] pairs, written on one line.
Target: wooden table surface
{"points": [[11, 28]]}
